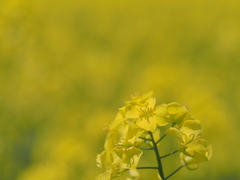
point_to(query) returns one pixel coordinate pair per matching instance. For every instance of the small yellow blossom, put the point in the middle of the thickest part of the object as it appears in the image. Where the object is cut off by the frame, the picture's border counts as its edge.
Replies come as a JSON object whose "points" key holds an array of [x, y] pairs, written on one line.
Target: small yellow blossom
{"points": [[193, 149], [149, 116], [177, 112]]}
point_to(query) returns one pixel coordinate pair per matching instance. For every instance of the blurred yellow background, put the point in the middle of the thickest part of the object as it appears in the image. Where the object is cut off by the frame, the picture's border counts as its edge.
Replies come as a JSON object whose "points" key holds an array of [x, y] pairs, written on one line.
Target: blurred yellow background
{"points": [[67, 66]]}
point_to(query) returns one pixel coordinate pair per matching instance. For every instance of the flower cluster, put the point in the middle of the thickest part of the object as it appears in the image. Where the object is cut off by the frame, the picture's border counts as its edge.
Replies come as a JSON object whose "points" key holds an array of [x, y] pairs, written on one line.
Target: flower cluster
{"points": [[193, 149], [135, 128]]}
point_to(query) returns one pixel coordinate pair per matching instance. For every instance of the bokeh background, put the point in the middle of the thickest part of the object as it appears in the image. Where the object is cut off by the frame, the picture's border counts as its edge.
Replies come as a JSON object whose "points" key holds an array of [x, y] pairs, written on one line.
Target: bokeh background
{"points": [[67, 66]]}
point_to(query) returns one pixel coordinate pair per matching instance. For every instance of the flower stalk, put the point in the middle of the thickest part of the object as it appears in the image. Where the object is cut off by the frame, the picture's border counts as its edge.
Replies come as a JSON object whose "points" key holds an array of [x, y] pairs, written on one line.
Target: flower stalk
{"points": [[175, 171], [161, 138], [159, 162], [171, 153]]}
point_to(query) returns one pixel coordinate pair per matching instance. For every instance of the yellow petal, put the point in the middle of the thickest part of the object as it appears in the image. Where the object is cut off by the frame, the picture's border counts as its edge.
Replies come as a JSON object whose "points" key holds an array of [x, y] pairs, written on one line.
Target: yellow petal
{"points": [[192, 166], [105, 160], [133, 113], [116, 122], [175, 132], [208, 147], [133, 133], [131, 157], [199, 157], [188, 152], [147, 95], [149, 125], [191, 127], [176, 108], [190, 162], [161, 121], [133, 173], [177, 112], [98, 161], [111, 141], [122, 131], [151, 102], [157, 134], [195, 146], [161, 110], [104, 176]]}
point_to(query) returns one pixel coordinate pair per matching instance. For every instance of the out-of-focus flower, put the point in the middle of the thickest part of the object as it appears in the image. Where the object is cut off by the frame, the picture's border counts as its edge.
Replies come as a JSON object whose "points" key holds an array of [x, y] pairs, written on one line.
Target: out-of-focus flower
{"points": [[137, 100], [121, 150], [112, 164], [143, 112], [117, 161], [149, 116], [193, 149], [200, 152]]}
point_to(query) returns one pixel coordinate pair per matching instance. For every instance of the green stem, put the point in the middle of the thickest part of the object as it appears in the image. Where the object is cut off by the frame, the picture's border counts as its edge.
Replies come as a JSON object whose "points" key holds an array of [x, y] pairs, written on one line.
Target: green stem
{"points": [[160, 169], [169, 154], [175, 171], [161, 138], [164, 135]]}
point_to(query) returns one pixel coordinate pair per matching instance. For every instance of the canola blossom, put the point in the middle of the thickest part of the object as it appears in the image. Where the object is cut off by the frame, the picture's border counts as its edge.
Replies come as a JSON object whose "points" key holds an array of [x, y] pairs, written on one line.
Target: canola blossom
{"points": [[136, 128]]}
